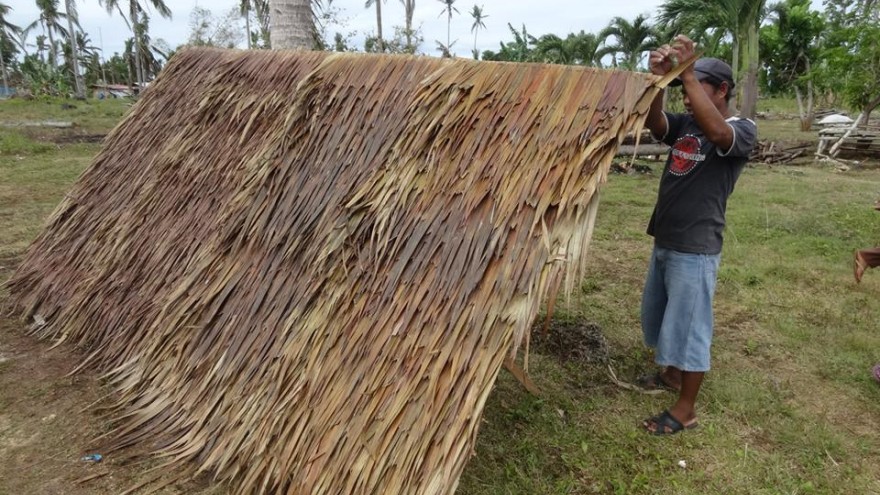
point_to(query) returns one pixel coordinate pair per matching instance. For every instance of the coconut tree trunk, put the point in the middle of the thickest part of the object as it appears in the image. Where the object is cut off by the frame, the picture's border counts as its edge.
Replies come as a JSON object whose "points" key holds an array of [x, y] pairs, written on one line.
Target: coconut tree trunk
{"points": [[53, 54], [247, 23], [3, 67], [136, 31], [379, 25], [734, 62], [292, 24], [409, 6], [74, 50], [750, 89]]}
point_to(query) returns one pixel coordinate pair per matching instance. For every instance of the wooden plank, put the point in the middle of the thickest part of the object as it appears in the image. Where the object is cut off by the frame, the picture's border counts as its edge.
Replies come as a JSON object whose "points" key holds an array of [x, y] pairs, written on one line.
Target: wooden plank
{"points": [[48, 123], [642, 150]]}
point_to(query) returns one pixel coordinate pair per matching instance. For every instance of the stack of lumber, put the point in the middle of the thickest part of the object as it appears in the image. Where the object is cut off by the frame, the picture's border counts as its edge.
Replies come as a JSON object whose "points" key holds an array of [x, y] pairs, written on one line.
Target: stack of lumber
{"points": [[863, 141], [772, 152]]}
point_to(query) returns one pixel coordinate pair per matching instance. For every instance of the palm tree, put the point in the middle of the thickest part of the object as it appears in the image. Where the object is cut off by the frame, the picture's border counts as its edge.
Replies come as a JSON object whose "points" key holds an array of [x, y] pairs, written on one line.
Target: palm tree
{"points": [[575, 49], [586, 49], [72, 20], [261, 9], [245, 9], [293, 24], [49, 20], [409, 8], [136, 21], [448, 9], [7, 29], [478, 16], [378, 4], [741, 20], [516, 51], [632, 39], [40, 44], [551, 49]]}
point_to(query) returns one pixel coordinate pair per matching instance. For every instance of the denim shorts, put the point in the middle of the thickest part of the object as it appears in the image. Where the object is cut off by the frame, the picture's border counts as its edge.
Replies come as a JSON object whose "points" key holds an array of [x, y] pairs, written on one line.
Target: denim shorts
{"points": [[677, 308]]}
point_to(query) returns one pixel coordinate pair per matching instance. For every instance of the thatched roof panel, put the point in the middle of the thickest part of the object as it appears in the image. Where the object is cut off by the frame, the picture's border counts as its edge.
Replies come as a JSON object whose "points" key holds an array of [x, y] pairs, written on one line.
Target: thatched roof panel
{"points": [[304, 272]]}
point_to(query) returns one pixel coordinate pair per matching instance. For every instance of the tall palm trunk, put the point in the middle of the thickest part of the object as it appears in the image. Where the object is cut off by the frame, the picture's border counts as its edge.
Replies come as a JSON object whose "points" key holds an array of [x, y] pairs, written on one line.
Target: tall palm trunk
{"points": [[247, 23], [409, 8], [449, 30], [379, 25], [293, 25], [138, 50], [753, 59], [3, 66], [734, 101], [53, 53], [74, 50], [476, 53]]}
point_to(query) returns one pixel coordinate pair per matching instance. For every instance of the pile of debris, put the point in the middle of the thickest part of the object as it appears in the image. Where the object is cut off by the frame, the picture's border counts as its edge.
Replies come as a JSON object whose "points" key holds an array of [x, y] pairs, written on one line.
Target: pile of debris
{"points": [[841, 136], [773, 152]]}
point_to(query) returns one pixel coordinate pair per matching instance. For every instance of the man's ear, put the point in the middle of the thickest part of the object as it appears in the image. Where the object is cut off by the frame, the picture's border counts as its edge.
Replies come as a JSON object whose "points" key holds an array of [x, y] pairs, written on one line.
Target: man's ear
{"points": [[725, 87]]}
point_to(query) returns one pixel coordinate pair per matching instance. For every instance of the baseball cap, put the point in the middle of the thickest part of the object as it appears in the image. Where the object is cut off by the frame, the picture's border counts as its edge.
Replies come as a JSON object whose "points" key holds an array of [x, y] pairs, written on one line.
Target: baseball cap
{"points": [[713, 69]]}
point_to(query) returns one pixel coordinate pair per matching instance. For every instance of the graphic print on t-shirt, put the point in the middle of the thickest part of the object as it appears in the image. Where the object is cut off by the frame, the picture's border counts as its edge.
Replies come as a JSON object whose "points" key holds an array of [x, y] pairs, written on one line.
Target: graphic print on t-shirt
{"points": [[686, 155]]}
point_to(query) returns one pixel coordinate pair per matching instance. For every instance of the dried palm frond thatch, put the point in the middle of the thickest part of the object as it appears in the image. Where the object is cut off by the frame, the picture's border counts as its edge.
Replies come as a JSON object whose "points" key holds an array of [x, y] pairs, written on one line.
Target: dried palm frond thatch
{"points": [[302, 273]]}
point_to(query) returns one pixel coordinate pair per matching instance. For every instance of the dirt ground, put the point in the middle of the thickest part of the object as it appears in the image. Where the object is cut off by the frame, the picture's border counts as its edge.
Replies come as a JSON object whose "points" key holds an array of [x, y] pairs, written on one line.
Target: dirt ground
{"points": [[48, 423], [570, 341], [45, 430]]}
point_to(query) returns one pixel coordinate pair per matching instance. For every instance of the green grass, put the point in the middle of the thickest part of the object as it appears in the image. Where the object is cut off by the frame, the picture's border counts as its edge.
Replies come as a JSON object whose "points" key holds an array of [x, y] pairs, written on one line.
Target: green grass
{"points": [[785, 130], [789, 407], [14, 143], [91, 116], [776, 105]]}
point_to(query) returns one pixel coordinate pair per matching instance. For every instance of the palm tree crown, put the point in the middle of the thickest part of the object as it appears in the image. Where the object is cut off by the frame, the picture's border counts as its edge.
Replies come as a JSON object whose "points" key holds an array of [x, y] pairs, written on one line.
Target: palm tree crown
{"points": [[137, 21], [632, 39], [448, 9], [738, 18], [478, 16]]}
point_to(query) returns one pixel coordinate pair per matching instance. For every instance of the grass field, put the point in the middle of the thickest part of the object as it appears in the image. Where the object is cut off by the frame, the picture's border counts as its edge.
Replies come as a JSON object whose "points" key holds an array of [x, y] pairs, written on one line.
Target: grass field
{"points": [[789, 407]]}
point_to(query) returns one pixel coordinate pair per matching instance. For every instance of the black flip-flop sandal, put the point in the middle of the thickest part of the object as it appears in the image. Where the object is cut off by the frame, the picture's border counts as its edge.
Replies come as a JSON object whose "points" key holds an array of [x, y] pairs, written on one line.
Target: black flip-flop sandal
{"points": [[666, 424]]}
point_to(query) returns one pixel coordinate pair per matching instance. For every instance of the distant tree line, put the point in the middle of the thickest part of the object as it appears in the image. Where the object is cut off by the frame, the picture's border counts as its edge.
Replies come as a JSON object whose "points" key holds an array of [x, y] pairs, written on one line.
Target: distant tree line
{"points": [[784, 48]]}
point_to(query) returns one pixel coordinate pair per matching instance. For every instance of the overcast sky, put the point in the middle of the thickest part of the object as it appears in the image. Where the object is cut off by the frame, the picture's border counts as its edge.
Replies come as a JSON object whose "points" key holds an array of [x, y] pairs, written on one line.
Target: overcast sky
{"points": [[547, 16]]}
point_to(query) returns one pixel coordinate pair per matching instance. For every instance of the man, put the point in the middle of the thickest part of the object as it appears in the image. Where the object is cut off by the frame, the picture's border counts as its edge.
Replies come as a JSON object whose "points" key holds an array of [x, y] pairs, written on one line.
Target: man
{"points": [[866, 258], [710, 148]]}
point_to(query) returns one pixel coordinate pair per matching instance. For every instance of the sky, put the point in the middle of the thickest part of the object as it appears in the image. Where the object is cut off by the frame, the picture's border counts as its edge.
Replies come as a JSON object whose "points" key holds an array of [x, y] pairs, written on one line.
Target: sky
{"points": [[547, 16]]}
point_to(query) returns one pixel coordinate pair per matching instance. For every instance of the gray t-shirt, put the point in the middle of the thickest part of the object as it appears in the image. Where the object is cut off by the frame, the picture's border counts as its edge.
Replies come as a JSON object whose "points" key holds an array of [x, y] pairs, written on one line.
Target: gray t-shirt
{"points": [[696, 182]]}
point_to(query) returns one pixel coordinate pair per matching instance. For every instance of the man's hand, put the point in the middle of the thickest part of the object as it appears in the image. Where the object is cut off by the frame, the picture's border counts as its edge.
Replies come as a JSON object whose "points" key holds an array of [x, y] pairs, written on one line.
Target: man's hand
{"points": [[683, 48], [661, 61], [667, 57]]}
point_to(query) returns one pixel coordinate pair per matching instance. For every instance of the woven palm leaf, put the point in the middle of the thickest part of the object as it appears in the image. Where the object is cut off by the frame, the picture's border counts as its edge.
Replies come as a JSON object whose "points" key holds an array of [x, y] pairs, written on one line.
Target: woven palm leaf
{"points": [[302, 273]]}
